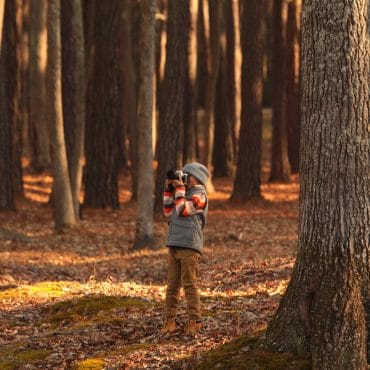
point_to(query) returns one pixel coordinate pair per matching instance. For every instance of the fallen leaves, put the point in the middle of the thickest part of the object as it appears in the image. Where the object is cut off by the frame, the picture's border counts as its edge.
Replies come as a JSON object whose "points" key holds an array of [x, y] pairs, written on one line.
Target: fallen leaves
{"points": [[83, 299]]}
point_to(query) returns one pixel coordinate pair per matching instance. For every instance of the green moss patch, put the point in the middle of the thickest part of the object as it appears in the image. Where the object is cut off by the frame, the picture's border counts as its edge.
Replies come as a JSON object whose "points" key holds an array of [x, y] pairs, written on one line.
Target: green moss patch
{"points": [[42, 290], [246, 354], [12, 357], [97, 309], [90, 364]]}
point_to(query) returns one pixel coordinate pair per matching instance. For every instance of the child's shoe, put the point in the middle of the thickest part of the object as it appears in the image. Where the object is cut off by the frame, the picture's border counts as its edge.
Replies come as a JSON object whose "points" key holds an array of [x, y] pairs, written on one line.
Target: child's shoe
{"points": [[169, 326], [193, 326]]}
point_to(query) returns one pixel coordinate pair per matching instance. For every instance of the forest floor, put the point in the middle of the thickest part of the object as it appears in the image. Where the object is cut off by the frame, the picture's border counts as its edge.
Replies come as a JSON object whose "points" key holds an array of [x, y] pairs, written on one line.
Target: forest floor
{"points": [[83, 299]]}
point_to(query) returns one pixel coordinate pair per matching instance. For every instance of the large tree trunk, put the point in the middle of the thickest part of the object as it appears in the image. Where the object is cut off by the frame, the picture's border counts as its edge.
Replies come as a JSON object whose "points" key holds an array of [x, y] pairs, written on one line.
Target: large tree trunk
{"points": [[171, 114], [248, 174], [101, 176], [12, 65], [39, 134], [62, 196], [144, 219], [6, 183], [280, 167], [292, 83], [128, 81], [321, 314]]}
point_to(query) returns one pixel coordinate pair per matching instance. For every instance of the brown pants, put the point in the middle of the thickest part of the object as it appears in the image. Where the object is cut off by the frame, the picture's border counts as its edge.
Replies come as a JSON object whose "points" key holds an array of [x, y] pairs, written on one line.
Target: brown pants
{"points": [[183, 267]]}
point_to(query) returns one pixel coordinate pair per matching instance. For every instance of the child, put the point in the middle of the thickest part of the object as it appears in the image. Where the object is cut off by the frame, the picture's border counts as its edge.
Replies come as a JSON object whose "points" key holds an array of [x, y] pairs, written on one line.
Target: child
{"points": [[187, 207]]}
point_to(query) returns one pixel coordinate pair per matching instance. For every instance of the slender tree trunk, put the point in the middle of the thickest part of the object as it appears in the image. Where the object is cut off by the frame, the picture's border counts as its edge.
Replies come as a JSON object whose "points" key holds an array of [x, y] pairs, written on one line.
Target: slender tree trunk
{"points": [[160, 34], [68, 78], [222, 156], [80, 99], [214, 49], [129, 87], [231, 50], [292, 83], [191, 95], [238, 79], [101, 176], [2, 6], [171, 114], [39, 134], [201, 78], [6, 183], [280, 167], [248, 174], [25, 54], [12, 66], [321, 314], [144, 219], [63, 203]]}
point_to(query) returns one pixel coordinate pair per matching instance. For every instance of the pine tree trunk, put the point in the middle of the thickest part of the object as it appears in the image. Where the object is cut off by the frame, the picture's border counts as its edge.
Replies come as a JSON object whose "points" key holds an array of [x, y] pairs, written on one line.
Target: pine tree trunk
{"points": [[129, 87], [248, 174], [202, 58], [238, 80], [222, 156], [144, 218], [322, 314], [231, 50], [12, 64], [280, 167], [191, 88], [25, 49], [68, 80], [101, 171], [62, 196], [79, 84], [6, 183], [171, 114], [39, 134], [292, 83], [214, 49]]}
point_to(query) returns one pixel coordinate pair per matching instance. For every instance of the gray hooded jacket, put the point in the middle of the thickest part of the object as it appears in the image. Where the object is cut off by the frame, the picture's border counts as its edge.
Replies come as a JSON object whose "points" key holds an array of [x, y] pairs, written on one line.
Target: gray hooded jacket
{"points": [[187, 232]]}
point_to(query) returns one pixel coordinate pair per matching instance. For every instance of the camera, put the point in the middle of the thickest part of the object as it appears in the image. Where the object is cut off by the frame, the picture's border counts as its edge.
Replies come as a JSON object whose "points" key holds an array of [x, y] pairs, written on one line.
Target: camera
{"points": [[177, 175]]}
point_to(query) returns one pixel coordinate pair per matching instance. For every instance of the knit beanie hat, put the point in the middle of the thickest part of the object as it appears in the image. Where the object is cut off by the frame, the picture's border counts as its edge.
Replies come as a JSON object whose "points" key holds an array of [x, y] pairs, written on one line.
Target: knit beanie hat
{"points": [[198, 170]]}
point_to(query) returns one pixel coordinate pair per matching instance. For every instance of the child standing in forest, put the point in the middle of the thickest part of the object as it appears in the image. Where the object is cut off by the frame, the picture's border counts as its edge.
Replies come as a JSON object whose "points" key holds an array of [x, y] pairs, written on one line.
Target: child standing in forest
{"points": [[187, 206]]}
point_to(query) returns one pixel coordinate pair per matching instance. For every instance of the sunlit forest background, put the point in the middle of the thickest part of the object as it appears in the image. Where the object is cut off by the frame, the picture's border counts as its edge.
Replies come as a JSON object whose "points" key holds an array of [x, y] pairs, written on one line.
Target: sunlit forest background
{"points": [[98, 100]]}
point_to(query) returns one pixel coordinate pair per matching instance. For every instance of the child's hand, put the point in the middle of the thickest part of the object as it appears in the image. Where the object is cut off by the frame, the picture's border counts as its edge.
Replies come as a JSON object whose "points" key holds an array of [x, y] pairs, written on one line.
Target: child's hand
{"points": [[176, 183]]}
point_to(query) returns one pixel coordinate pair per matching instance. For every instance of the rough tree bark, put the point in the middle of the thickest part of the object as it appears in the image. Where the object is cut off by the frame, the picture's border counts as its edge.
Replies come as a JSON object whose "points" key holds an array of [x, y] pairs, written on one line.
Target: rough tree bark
{"points": [[191, 94], [321, 314], [144, 218], [38, 132], [280, 167], [102, 125], [73, 86], [248, 173], [129, 87], [62, 196], [222, 154], [212, 26], [12, 66], [6, 183], [231, 57], [171, 114], [292, 83]]}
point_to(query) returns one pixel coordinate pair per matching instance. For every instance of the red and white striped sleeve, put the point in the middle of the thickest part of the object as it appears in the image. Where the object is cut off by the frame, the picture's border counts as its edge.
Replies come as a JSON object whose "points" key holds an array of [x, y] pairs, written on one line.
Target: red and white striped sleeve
{"points": [[188, 207], [168, 203]]}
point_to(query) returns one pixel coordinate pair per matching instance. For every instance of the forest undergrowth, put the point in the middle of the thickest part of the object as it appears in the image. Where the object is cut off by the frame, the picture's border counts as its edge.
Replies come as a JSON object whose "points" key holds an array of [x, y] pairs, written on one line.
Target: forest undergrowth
{"points": [[83, 299]]}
